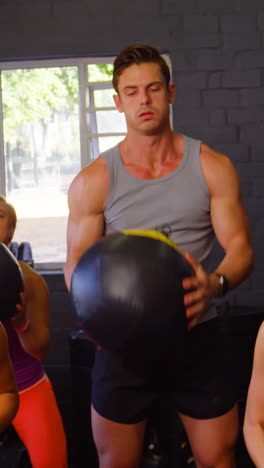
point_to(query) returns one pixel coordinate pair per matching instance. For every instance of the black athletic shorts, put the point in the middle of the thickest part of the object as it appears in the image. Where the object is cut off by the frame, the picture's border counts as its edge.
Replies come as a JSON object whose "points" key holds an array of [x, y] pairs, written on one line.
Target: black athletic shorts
{"points": [[199, 382]]}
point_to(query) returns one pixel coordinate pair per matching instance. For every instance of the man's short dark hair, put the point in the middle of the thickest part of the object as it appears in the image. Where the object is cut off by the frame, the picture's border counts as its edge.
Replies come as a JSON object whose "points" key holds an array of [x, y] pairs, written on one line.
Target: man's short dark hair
{"points": [[136, 54]]}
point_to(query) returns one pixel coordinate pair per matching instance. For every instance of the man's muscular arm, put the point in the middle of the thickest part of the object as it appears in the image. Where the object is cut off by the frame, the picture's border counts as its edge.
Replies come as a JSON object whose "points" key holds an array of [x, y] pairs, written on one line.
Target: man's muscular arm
{"points": [[86, 199], [231, 228], [229, 219]]}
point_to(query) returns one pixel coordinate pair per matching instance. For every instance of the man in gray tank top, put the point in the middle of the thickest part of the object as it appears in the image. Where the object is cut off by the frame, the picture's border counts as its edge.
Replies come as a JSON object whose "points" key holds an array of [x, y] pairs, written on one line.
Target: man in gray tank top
{"points": [[155, 178]]}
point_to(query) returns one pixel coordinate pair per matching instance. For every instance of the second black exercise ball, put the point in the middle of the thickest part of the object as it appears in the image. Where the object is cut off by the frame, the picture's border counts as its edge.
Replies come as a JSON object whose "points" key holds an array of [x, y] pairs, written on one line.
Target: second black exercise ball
{"points": [[11, 283], [127, 292]]}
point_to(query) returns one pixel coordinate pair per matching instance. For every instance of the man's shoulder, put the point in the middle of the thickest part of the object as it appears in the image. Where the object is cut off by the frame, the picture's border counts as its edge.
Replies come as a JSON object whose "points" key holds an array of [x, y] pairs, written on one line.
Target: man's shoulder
{"points": [[218, 169], [212, 155], [90, 183], [99, 165], [110, 152], [93, 170]]}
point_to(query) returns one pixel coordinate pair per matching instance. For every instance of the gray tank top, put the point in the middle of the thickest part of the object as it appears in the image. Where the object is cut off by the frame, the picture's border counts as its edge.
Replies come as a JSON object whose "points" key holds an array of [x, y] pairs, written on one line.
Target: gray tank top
{"points": [[177, 204]]}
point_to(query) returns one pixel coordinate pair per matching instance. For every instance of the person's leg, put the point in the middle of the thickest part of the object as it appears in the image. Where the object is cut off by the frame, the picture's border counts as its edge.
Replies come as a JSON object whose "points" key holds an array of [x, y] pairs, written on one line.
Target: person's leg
{"points": [[213, 440], [39, 425], [118, 445], [121, 399], [205, 396]]}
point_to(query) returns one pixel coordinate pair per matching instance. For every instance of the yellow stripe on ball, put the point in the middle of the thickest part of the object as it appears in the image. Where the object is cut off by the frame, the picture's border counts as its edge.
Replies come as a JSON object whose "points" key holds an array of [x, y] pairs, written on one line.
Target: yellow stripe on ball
{"points": [[153, 234]]}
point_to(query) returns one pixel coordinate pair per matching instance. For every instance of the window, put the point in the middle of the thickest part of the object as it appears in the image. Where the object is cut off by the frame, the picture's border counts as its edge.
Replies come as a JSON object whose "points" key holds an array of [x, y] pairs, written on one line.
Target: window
{"points": [[56, 117]]}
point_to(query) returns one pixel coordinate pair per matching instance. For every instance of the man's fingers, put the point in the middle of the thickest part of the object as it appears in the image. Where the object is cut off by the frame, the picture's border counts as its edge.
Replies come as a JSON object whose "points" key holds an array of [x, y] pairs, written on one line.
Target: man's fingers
{"points": [[192, 261], [193, 297], [190, 283]]}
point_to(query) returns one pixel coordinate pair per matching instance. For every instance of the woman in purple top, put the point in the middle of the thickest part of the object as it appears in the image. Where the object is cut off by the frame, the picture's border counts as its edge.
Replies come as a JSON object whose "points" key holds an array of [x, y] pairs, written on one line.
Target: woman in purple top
{"points": [[38, 421]]}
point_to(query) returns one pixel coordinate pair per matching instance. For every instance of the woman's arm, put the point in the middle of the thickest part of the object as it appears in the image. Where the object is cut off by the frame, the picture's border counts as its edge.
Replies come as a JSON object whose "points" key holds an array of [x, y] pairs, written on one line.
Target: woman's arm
{"points": [[254, 414], [32, 320]]}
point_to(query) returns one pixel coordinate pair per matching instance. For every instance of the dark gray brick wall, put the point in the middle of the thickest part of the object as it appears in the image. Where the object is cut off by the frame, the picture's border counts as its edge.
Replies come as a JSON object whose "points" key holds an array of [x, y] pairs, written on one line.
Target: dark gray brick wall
{"points": [[217, 53]]}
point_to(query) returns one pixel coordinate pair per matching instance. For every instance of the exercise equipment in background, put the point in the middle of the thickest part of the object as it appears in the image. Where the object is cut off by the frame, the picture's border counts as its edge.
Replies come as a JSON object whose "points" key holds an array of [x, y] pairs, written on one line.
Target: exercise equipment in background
{"points": [[22, 252]]}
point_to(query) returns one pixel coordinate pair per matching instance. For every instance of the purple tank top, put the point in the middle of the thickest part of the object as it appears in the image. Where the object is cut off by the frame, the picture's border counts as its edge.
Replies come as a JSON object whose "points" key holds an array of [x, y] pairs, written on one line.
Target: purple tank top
{"points": [[28, 370]]}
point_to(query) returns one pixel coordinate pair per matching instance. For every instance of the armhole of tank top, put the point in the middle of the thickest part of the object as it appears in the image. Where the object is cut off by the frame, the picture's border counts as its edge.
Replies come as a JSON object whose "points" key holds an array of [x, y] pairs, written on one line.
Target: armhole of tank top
{"points": [[194, 147], [110, 161]]}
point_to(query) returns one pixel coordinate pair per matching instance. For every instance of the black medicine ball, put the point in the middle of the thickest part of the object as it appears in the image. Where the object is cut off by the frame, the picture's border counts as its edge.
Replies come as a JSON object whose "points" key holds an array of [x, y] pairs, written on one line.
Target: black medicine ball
{"points": [[127, 292], [11, 283]]}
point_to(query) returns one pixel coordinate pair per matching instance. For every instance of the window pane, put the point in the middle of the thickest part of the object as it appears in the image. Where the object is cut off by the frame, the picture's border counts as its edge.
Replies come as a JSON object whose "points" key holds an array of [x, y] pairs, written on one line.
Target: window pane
{"points": [[110, 121], [104, 98], [100, 72], [41, 138]]}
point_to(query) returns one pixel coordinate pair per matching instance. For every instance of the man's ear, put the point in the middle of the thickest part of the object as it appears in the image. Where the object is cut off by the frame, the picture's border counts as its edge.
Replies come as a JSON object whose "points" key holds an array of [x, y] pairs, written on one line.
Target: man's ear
{"points": [[117, 101], [171, 93]]}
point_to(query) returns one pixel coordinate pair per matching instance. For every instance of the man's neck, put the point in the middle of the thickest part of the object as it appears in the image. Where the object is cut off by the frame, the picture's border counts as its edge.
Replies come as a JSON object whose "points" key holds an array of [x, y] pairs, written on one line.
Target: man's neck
{"points": [[150, 149], [152, 157]]}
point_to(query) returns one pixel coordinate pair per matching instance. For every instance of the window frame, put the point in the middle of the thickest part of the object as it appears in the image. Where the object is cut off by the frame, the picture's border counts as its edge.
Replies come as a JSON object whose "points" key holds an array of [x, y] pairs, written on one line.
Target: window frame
{"points": [[89, 137]]}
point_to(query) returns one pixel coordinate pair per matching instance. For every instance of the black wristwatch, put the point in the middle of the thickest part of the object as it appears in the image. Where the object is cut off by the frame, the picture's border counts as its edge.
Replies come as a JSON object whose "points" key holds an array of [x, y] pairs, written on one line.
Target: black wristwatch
{"points": [[223, 281]]}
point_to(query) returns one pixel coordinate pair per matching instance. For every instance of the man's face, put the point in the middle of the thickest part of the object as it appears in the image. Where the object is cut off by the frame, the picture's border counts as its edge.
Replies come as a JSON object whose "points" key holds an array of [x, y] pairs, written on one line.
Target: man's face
{"points": [[144, 98], [6, 231]]}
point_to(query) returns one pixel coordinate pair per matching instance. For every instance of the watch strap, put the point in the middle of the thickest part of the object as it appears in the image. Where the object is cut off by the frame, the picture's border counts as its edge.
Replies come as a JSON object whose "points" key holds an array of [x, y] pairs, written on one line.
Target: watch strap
{"points": [[223, 281]]}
